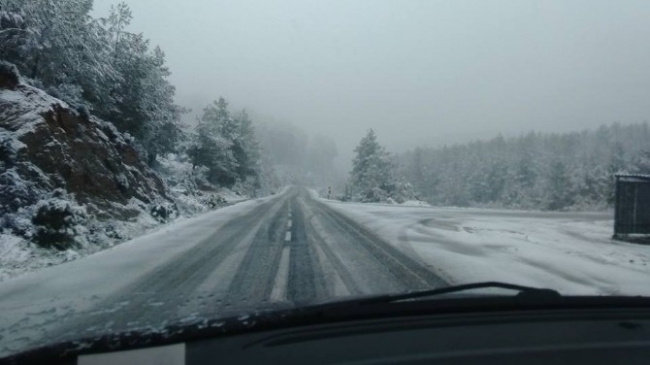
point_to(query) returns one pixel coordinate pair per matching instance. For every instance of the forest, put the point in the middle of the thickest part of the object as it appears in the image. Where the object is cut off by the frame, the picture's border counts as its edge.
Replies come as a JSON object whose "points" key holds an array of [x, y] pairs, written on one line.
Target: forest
{"points": [[558, 171]]}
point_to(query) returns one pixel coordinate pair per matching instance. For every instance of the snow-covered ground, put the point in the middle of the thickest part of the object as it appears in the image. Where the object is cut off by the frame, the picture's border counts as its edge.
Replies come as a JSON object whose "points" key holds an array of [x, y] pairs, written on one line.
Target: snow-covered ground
{"points": [[18, 256], [39, 300], [571, 252]]}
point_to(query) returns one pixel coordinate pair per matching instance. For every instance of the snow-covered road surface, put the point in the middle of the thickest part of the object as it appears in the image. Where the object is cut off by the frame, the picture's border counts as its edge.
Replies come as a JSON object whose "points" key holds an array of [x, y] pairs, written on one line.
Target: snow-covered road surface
{"points": [[281, 250], [570, 252], [293, 248]]}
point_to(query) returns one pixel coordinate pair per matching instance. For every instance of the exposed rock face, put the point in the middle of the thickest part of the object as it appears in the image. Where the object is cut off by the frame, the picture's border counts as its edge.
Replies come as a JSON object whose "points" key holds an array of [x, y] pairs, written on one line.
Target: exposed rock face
{"points": [[46, 146]]}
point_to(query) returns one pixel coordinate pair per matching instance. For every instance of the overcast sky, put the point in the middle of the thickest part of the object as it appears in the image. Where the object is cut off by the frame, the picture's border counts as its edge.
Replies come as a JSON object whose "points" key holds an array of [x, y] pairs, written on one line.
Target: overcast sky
{"points": [[418, 72]]}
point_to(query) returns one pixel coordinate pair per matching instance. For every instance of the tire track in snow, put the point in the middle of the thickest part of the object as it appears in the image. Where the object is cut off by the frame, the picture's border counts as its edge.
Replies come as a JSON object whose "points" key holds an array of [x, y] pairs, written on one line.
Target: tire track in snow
{"points": [[339, 270], [411, 274], [157, 298], [306, 276], [255, 278]]}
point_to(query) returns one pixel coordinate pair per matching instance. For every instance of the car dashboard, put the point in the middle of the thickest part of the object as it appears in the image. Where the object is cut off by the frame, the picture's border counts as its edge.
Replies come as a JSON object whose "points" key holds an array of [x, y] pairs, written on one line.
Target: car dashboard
{"points": [[598, 336]]}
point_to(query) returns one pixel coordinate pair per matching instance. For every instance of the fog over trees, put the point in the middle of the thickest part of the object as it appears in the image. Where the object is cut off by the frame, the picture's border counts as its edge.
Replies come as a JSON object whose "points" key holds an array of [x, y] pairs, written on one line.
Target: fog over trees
{"points": [[99, 66], [532, 171], [535, 170]]}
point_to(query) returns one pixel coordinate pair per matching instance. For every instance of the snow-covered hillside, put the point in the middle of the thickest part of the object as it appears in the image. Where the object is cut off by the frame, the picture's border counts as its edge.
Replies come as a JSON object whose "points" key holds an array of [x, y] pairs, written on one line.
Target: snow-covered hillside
{"points": [[72, 184]]}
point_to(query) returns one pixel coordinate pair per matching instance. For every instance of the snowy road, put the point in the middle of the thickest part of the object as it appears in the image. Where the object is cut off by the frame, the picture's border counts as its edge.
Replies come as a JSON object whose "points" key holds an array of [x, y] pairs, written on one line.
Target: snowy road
{"points": [[568, 251], [290, 248]]}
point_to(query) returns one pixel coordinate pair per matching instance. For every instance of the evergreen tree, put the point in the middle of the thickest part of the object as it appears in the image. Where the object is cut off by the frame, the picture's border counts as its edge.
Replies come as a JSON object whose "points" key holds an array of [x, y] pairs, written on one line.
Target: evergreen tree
{"points": [[371, 174], [61, 47], [211, 148], [558, 187], [227, 146]]}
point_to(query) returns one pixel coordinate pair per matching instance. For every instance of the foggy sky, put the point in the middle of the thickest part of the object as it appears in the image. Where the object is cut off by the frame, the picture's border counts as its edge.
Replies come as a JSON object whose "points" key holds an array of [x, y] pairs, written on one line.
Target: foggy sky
{"points": [[418, 72]]}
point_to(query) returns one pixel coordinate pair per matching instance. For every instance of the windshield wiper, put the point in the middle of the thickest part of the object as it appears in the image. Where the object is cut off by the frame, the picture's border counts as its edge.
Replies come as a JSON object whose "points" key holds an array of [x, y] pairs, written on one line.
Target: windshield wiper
{"points": [[526, 292]]}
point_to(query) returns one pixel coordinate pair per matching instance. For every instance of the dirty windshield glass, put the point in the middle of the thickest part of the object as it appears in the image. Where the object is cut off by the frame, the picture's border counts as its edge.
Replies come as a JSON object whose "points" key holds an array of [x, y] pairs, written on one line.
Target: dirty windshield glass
{"points": [[168, 162]]}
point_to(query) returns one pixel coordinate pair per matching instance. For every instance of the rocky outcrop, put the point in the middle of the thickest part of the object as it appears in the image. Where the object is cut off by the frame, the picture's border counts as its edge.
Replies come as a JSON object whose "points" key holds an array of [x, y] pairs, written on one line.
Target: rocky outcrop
{"points": [[48, 150]]}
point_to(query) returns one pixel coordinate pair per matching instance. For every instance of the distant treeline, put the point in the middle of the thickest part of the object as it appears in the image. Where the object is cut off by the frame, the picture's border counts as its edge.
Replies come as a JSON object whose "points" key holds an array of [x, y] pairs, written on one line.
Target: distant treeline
{"points": [[532, 171]]}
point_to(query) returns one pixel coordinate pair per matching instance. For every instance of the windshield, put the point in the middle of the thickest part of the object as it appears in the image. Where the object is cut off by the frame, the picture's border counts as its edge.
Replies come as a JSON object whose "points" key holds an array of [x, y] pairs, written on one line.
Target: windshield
{"points": [[168, 162]]}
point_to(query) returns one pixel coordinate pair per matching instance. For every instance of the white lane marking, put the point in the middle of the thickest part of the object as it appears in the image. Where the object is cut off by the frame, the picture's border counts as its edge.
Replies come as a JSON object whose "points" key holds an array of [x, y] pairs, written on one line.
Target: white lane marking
{"points": [[279, 292], [287, 237], [289, 224]]}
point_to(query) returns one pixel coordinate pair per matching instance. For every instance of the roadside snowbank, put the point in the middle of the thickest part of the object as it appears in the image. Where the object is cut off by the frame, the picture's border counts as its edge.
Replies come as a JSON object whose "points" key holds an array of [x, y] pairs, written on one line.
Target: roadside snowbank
{"points": [[19, 256], [415, 203], [571, 252]]}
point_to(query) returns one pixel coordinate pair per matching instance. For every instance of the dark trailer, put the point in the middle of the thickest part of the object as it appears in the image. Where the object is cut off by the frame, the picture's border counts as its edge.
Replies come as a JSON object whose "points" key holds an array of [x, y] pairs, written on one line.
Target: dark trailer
{"points": [[632, 211]]}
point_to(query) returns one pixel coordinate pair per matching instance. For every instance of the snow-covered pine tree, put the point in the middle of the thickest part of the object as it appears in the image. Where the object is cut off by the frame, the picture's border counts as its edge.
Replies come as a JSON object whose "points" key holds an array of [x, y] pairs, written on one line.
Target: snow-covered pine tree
{"points": [[246, 150], [61, 47], [370, 179], [213, 144]]}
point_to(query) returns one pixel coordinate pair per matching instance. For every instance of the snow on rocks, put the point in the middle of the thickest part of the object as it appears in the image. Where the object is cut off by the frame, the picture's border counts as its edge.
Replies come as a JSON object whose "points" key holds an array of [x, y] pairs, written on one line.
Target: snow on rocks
{"points": [[71, 184]]}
